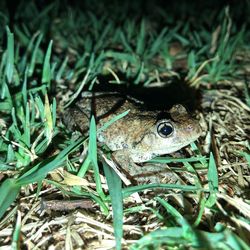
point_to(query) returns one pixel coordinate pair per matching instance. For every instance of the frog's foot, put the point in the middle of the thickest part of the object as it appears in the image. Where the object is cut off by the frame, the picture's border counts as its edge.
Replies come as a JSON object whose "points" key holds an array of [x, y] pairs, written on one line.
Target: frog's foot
{"points": [[155, 173], [146, 172]]}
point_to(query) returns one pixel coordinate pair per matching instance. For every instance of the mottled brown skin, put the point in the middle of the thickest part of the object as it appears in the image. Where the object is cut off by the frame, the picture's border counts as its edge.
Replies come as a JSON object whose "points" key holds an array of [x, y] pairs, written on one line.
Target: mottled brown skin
{"points": [[134, 138]]}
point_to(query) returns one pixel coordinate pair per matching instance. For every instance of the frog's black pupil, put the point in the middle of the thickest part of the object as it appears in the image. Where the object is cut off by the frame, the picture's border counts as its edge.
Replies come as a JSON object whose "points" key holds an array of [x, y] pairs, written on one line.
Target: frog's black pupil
{"points": [[165, 129]]}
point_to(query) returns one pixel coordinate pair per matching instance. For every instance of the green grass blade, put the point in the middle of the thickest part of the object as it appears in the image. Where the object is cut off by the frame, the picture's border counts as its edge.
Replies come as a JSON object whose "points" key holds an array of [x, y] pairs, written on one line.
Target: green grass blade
{"points": [[185, 188], [125, 43], [2, 68], [212, 181], [54, 113], [115, 190], [62, 69], [84, 167], [46, 65], [176, 238], [24, 88], [40, 170], [103, 36], [247, 157], [6, 94], [48, 120], [43, 14], [15, 245], [8, 193], [92, 153], [179, 218], [22, 36], [26, 134], [139, 74], [202, 206], [4, 167], [140, 46], [172, 159], [107, 124], [10, 154], [34, 55], [83, 83], [155, 48], [9, 70]]}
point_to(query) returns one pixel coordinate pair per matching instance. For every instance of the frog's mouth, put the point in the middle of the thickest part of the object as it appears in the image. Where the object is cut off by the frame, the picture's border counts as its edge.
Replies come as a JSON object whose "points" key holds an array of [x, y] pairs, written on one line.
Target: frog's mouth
{"points": [[176, 145], [188, 139]]}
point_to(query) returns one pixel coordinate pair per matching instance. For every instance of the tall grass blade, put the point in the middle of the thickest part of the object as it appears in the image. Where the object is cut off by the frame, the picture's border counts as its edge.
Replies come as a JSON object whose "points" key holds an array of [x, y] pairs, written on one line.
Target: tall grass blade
{"points": [[9, 70], [46, 65], [115, 190]]}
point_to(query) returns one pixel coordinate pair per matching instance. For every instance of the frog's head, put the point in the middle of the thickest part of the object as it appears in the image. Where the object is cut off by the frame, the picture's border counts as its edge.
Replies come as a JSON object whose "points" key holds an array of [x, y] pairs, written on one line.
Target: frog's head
{"points": [[174, 132]]}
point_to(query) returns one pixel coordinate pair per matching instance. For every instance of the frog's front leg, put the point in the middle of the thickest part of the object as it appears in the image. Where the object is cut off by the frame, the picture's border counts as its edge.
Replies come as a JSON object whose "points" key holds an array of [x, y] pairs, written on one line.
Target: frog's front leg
{"points": [[145, 172]]}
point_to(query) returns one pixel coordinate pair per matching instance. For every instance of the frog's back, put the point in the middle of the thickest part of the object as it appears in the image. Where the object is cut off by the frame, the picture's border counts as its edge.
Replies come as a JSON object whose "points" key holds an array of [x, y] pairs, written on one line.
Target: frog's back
{"points": [[104, 106]]}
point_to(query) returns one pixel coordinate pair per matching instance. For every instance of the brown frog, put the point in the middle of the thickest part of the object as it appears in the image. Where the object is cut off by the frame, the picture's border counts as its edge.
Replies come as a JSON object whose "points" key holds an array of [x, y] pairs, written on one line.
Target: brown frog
{"points": [[137, 137]]}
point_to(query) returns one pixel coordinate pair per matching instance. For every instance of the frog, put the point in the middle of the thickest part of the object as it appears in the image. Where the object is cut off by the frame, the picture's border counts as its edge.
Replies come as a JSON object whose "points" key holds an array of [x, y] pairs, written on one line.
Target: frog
{"points": [[137, 137]]}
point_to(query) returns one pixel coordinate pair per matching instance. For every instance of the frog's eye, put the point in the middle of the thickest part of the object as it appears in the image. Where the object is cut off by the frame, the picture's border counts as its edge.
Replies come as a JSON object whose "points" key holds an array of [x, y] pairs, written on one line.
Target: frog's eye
{"points": [[165, 129]]}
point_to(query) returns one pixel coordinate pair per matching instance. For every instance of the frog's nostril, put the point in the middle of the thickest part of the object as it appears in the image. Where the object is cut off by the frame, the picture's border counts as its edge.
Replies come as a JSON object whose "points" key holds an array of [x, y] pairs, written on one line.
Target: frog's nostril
{"points": [[190, 127]]}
